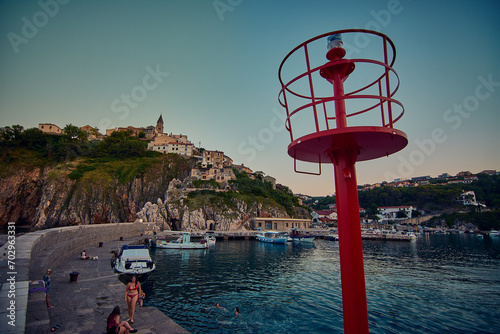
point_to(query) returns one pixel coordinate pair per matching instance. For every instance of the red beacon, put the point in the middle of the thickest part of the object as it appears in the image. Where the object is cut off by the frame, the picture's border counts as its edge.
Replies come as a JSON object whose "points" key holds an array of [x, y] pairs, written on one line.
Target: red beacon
{"points": [[322, 131]]}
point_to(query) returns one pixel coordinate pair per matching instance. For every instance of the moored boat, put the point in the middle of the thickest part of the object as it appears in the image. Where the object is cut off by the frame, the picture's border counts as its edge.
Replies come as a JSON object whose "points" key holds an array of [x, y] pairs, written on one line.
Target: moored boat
{"points": [[134, 260], [210, 238], [183, 242], [296, 236], [272, 237], [332, 237]]}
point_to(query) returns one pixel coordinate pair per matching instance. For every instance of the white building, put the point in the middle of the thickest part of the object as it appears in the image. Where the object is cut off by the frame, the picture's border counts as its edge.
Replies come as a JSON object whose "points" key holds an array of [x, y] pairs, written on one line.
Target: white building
{"points": [[469, 198], [391, 212], [178, 144]]}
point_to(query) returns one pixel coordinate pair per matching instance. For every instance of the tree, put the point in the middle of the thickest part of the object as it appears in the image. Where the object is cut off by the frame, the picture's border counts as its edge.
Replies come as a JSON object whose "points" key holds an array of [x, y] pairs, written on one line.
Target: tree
{"points": [[11, 136], [75, 133], [401, 214]]}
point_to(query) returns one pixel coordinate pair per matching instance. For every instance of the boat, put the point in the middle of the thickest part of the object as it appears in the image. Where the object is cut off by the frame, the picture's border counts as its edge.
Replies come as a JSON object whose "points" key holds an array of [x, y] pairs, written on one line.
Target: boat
{"points": [[412, 235], [296, 236], [494, 233], [272, 237], [332, 237], [134, 260], [183, 242], [210, 238]]}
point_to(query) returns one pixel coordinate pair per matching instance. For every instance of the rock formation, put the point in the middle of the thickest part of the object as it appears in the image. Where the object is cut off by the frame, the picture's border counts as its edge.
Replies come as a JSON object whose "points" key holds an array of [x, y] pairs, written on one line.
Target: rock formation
{"points": [[47, 197]]}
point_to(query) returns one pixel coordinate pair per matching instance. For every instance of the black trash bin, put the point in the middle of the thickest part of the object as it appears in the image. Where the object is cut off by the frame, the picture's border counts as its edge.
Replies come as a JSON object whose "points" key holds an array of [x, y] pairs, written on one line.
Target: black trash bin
{"points": [[100, 244], [73, 276]]}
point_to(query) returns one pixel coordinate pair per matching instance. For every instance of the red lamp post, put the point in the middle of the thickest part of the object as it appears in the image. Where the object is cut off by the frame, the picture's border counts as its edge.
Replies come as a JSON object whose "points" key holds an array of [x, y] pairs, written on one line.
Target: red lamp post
{"points": [[333, 140]]}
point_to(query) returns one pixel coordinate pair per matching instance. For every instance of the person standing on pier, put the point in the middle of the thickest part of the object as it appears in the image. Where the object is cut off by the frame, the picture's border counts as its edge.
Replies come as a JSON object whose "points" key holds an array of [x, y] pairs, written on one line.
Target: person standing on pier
{"points": [[132, 292], [46, 282]]}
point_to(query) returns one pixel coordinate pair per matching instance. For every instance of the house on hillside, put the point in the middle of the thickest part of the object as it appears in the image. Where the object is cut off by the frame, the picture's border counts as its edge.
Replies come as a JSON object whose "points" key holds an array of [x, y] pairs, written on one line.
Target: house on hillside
{"points": [[242, 168], [50, 129], [178, 144], [92, 133], [271, 180], [214, 158], [324, 217], [469, 198], [391, 212], [218, 174], [150, 132], [470, 178]]}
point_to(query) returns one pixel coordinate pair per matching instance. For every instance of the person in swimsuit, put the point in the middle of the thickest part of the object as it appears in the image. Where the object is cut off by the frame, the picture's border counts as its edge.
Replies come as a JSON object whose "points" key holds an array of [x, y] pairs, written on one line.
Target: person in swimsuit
{"points": [[142, 295], [115, 326], [132, 292]]}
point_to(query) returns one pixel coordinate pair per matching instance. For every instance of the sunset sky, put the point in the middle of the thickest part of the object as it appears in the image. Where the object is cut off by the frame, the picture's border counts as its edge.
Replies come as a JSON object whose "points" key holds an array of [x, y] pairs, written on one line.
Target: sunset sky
{"points": [[211, 69]]}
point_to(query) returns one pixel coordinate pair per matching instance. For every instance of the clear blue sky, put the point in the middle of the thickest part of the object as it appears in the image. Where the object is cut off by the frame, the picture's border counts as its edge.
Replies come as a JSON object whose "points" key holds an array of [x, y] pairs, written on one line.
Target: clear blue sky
{"points": [[215, 65]]}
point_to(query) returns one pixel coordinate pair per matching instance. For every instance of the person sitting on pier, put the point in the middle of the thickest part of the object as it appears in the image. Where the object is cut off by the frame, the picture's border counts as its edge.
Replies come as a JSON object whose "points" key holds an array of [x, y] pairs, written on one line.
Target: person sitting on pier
{"points": [[84, 255], [115, 326]]}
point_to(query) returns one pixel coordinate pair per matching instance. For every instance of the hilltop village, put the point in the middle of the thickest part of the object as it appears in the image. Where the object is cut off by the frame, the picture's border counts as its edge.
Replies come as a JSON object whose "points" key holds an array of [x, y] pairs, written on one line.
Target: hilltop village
{"points": [[213, 164]]}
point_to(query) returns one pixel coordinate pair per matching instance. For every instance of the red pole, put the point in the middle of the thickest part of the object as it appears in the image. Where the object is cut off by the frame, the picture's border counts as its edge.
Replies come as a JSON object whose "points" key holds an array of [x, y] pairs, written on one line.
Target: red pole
{"points": [[355, 309], [350, 246]]}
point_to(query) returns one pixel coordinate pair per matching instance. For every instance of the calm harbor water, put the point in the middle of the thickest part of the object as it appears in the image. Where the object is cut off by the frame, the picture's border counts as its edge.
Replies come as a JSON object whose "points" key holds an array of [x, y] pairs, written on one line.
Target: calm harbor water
{"points": [[437, 284]]}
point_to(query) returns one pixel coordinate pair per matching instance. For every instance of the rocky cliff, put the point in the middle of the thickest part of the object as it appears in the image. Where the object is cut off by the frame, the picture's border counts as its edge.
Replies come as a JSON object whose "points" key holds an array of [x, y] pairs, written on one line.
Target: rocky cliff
{"points": [[50, 197], [161, 191]]}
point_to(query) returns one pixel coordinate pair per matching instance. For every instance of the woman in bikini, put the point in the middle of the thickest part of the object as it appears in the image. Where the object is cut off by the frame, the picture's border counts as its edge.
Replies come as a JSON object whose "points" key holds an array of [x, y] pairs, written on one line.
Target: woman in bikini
{"points": [[132, 292]]}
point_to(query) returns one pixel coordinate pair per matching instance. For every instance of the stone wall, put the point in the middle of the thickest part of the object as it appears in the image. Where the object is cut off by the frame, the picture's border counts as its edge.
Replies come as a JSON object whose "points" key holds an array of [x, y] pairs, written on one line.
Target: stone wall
{"points": [[53, 246], [35, 252]]}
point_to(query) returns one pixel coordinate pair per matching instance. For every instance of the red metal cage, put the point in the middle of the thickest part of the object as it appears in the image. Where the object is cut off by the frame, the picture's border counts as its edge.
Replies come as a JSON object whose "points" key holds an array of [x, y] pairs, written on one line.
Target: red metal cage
{"points": [[368, 128]]}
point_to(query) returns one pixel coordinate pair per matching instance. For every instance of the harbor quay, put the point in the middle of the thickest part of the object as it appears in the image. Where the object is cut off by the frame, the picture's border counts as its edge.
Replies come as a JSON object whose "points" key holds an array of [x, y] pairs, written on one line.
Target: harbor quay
{"points": [[84, 292]]}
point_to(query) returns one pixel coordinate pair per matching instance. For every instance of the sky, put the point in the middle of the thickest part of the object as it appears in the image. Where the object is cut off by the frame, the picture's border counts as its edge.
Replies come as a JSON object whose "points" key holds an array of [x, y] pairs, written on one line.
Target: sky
{"points": [[210, 68]]}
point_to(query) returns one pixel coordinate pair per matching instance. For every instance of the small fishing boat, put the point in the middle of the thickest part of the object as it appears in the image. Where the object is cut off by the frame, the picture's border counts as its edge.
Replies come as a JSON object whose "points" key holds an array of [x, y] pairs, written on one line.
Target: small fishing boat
{"points": [[272, 237], [210, 238], [134, 260], [183, 242], [296, 236]]}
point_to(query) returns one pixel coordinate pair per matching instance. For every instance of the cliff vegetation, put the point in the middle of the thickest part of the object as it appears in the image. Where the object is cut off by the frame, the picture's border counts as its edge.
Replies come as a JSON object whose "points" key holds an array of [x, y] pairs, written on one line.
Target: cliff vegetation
{"points": [[59, 180]]}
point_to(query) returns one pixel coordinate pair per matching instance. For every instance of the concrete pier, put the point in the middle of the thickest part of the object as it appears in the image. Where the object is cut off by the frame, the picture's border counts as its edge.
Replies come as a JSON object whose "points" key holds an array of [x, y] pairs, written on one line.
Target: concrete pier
{"points": [[81, 305]]}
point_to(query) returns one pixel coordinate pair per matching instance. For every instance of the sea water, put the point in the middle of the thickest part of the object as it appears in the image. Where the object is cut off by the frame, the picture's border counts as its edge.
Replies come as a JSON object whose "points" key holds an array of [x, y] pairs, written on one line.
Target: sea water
{"points": [[436, 284]]}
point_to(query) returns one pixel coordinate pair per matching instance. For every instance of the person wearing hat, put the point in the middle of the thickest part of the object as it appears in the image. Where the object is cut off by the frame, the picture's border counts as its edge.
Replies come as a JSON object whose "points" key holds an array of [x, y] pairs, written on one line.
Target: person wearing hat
{"points": [[46, 282]]}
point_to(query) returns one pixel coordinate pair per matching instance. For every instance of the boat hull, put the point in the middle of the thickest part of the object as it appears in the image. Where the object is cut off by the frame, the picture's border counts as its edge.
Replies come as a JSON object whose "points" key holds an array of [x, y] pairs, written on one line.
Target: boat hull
{"points": [[272, 240], [175, 245], [306, 240]]}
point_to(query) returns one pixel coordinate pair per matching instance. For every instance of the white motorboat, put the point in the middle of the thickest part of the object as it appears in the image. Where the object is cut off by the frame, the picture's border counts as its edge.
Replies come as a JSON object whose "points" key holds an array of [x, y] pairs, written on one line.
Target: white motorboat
{"points": [[183, 242], [210, 238], [134, 260]]}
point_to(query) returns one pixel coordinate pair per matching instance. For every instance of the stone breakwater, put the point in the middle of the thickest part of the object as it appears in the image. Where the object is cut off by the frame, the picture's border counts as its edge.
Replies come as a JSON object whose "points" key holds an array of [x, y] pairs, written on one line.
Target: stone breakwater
{"points": [[36, 252]]}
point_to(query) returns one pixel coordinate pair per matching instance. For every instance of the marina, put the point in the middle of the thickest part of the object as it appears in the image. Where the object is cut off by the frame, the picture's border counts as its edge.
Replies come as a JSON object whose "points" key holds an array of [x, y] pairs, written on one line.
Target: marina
{"points": [[411, 286]]}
